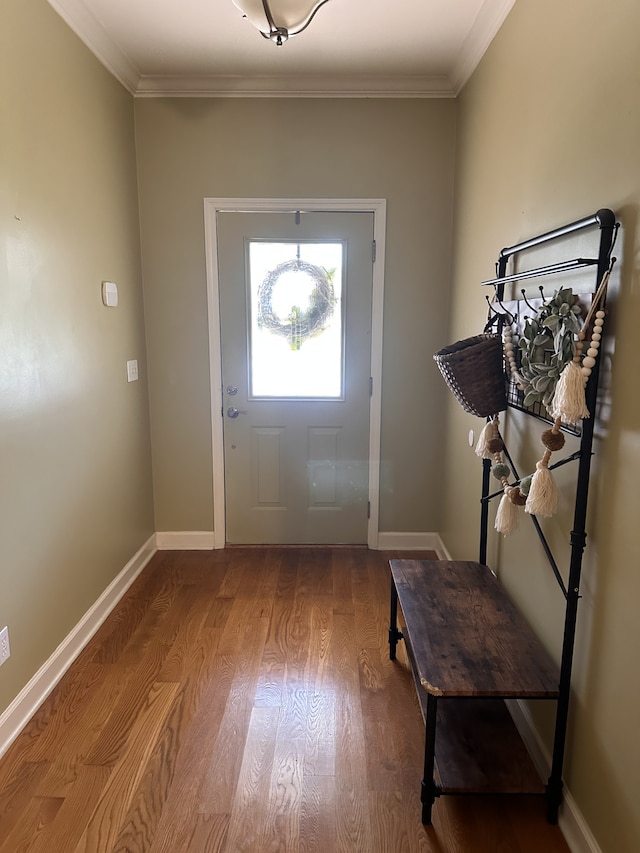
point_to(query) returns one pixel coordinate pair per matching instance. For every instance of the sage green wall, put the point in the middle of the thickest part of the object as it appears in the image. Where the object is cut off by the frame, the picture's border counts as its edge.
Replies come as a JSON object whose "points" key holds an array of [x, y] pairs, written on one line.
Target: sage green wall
{"points": [[395, 149], [549, 132], [75, 481]]}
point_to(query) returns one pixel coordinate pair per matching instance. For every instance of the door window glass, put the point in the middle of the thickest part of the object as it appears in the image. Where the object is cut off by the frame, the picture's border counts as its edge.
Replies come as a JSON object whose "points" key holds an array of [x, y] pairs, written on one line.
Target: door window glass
{"points": [[296, 319]]}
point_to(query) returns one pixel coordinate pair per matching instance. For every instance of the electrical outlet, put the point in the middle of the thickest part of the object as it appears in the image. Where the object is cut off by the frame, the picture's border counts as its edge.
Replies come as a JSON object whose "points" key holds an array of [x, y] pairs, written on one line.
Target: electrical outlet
{"points": [[5, 649]]}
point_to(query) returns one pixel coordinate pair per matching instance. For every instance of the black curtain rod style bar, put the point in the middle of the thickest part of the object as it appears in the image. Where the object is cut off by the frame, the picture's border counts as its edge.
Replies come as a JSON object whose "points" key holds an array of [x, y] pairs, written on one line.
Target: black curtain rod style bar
{"points": [[604, 218], [551, 269]]}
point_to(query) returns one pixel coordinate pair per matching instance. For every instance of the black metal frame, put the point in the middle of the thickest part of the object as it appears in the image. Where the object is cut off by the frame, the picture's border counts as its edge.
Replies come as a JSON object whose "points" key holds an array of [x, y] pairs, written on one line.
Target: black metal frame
{"points": [[605, 220]]}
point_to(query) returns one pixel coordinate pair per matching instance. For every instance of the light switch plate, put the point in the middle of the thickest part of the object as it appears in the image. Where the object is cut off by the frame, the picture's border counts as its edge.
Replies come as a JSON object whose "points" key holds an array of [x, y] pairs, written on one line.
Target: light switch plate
{"points": [[132, 370], [110, 294], [5, 648]]}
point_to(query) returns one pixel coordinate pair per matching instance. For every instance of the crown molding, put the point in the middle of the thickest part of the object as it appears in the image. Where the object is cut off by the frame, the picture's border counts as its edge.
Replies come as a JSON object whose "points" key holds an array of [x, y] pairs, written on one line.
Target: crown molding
{"points": [[490, 18], [90, 31], [299, 87]]}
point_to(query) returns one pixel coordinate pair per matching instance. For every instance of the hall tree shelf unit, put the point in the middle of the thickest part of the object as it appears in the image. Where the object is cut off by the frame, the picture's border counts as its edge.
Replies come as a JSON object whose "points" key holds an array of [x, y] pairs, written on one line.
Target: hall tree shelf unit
{"points": [[468, 646]]}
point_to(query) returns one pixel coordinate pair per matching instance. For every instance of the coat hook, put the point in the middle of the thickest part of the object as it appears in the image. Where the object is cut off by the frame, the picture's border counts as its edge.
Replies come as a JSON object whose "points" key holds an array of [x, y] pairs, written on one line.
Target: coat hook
{"points": [[500, 316], [506, 312], [492, 311], [503, 313], [524, 296]]}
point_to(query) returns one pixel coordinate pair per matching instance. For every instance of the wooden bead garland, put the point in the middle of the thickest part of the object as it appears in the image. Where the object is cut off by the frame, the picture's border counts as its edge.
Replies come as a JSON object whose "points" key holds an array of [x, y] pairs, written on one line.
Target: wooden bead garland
{"points": [[588, 363], [540, 494], [509, 354]]}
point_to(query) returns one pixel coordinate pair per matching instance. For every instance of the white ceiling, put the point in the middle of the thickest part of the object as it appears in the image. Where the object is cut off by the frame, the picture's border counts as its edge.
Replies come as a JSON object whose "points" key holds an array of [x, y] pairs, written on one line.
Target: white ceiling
{"points": [[420, 48]]}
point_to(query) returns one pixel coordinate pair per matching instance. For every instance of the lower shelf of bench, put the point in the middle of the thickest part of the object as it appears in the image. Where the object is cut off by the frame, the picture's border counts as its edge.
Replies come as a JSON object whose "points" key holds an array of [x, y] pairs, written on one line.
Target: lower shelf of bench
{"points": [[468, 649], [479, 750]]}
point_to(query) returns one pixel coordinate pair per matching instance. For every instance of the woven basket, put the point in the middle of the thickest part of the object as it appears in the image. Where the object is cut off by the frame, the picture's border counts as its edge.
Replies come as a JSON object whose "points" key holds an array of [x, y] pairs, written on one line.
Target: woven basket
{"points": [[474, 370]]}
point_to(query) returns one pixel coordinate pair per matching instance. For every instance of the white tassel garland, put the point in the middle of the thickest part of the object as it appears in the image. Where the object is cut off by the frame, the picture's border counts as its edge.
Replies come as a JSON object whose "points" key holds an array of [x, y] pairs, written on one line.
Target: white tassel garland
{"points": [[569, 400], [507, 516], [543, 495], [488, 432]]}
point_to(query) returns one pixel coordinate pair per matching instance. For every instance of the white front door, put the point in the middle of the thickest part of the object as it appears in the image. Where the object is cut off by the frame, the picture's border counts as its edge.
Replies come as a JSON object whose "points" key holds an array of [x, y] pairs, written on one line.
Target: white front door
{"points": [[295, 295]]}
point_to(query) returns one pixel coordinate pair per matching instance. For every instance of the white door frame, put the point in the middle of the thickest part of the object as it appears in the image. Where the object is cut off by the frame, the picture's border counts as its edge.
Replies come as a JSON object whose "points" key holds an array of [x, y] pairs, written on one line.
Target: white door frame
{"points": [[378, 207]]}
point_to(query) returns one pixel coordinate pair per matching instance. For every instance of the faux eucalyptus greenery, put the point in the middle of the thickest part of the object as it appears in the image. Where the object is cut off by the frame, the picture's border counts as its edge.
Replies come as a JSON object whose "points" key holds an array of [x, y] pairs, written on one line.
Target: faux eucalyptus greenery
{"points": [[547, 345]]}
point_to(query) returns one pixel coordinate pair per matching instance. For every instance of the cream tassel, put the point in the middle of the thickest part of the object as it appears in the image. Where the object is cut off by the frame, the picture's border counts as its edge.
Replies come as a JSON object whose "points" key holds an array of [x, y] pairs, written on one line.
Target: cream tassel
{"points": [[507, 516], [489, 431], [569, 400], [543, 494]]}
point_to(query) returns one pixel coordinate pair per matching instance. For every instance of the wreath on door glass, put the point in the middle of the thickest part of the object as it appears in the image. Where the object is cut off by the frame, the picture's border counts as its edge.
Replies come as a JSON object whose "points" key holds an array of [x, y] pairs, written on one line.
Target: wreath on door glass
{"points": [[299, 324]]}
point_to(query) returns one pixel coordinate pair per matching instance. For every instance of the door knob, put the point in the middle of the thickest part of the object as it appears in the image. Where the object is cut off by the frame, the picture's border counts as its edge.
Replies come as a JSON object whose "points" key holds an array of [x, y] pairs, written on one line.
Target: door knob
{"points": [[232, 412]]}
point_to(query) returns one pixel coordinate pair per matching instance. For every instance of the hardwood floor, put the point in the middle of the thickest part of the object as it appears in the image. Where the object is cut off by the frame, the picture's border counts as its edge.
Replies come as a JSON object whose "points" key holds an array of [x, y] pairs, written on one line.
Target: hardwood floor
{"points": [[243, 700]]}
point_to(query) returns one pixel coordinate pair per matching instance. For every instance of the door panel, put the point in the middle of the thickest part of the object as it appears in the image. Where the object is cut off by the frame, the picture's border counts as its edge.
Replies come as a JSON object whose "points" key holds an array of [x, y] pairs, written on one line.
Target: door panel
{"points": [[296, 463]]}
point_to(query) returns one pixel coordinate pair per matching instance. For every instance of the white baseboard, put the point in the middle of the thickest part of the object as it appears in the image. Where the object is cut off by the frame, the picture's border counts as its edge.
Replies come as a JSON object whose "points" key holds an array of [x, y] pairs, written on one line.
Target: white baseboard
{"points": [[185, 540], [413, 542], [33, 694], [571, 821], [205, 540]]}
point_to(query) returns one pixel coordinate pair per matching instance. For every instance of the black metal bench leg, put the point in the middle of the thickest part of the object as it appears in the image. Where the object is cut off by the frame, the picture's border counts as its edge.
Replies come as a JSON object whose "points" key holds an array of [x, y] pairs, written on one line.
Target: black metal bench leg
{"points": [[554, 798], [429, 790], [394, 634]]}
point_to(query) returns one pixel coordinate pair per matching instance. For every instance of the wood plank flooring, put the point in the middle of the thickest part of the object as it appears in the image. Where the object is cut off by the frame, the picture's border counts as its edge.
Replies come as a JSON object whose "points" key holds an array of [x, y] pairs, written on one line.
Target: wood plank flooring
{"points": [[243, 700]]}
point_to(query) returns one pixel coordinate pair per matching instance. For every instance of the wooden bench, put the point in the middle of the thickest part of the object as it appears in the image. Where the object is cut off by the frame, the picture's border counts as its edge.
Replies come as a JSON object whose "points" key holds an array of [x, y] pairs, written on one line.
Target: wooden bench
{"points": [[466, 640]]}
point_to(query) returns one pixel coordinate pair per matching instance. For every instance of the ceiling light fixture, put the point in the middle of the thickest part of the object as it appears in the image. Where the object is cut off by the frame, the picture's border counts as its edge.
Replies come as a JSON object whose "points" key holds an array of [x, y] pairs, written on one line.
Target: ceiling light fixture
{"points": [[279, 19]]}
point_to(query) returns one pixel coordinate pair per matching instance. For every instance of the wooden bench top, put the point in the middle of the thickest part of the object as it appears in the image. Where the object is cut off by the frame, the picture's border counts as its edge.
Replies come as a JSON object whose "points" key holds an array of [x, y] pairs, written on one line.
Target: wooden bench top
{"points": [[465, 636]]}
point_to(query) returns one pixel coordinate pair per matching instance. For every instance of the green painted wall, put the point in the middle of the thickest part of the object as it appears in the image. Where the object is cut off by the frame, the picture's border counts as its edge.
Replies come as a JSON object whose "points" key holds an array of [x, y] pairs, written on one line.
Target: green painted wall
{"points": [[549, 132], [75, 474], [401, 150]]}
